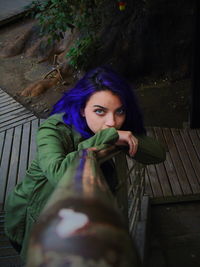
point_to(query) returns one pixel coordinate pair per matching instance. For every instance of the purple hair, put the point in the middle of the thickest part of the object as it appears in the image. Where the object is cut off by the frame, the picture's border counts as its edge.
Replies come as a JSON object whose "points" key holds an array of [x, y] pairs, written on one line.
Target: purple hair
{"points": [[98, 79]]}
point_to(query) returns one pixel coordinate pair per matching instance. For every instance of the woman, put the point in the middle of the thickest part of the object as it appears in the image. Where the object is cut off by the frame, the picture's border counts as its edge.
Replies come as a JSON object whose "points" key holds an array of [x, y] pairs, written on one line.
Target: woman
{"points": [[100, 109]]}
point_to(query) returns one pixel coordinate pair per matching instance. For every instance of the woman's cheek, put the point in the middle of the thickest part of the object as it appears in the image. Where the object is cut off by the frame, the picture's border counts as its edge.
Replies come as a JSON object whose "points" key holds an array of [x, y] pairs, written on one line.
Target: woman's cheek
{"points": [[120, 123]]}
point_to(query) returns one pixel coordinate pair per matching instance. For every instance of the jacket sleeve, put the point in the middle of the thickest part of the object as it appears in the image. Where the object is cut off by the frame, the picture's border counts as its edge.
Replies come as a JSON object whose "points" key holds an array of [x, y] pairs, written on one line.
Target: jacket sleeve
{"points": [[54, 158], [150, 151]]}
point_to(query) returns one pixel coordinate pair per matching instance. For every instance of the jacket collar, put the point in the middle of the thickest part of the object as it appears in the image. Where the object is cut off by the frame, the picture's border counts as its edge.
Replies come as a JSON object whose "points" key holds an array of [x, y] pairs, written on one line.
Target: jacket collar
{"points": [[75, 136]]}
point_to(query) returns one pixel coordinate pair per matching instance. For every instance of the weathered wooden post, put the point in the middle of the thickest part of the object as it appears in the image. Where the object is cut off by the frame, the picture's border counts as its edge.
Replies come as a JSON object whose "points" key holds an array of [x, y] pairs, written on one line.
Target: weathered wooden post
{"points": [[81, 225]]}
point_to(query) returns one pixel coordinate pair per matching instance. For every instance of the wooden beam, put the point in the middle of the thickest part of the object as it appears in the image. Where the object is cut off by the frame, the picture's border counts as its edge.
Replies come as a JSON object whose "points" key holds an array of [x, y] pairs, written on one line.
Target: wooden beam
{"points": [[81, 223]]}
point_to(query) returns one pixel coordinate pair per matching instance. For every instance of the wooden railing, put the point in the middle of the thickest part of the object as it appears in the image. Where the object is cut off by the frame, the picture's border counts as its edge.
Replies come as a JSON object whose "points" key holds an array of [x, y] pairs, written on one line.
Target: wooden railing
{"points": [[84, 223]]}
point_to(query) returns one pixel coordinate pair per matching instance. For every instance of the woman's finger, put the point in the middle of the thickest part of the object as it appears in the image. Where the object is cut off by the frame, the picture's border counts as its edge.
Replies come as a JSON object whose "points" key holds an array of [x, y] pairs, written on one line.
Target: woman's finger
{"points": [[127, 138], [133, 145], [130, 144]]}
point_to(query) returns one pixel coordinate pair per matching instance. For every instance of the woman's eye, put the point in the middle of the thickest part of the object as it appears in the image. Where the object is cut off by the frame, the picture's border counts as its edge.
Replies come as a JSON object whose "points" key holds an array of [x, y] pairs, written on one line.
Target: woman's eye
{"points": [[99, 111], [120, 111]]}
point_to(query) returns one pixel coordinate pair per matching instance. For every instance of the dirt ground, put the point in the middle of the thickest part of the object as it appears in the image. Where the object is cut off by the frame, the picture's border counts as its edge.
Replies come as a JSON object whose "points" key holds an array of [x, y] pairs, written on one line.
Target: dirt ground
{"points": [[164, 102]]}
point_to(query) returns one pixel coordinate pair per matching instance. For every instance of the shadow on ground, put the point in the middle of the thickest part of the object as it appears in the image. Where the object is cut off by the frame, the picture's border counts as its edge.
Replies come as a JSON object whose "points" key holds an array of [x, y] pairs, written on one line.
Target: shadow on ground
{"points": [[175, 235]]}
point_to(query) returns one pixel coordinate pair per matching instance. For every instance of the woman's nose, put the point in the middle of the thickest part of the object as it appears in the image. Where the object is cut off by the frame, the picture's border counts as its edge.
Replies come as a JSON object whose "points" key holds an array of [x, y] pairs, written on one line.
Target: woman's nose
{"points": [[110, 121]]}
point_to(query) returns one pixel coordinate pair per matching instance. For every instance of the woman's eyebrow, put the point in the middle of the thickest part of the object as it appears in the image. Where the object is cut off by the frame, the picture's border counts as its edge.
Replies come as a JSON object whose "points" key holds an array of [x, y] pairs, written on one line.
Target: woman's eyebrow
{"points": [[122, 106], [98, 106]]}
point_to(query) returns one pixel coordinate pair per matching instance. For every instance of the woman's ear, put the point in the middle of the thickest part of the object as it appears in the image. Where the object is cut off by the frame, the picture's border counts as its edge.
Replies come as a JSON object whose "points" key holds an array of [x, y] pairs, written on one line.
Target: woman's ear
{"points": [[82, 112]]}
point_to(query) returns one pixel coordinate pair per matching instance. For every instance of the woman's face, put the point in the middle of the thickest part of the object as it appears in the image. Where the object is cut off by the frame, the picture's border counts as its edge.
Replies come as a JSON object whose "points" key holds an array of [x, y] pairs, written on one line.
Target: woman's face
{"points": [[104, 110]]}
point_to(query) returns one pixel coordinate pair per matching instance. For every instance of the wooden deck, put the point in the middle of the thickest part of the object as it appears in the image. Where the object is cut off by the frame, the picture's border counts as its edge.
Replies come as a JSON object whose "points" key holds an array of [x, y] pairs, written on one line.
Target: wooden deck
{"points": [[18, 127], [17, 149], [175, 180], [178, 178], [12, 113], [8, 256]]}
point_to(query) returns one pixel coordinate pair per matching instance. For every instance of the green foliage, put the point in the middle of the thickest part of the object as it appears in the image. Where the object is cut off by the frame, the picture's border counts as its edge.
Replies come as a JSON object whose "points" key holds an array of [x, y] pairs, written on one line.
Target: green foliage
{"points": [[57, 16], [82, 51]]}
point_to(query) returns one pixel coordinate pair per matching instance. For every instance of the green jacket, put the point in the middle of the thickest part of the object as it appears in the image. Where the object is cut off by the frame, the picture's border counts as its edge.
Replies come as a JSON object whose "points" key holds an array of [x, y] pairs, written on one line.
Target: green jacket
{"points": [[57, 146]]}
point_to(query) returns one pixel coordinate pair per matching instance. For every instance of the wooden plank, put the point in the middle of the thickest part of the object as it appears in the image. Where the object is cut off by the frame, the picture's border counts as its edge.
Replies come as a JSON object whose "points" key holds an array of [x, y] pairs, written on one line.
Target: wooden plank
{"points": [[24, 151], [154, 181], [163, 178], [6, 114], [169, 168], [18, 121], [4, 120], [148, 189], [5, 162], [159, 136], [122, 192], [172, 176], [3, 93], [195, 138], [12, 106], [162, 174], [6, 103], [152, 174], [2, 136], [4, 98], [14, 161], [191, 176], [185, 186], [192, 154], [32, 148]]}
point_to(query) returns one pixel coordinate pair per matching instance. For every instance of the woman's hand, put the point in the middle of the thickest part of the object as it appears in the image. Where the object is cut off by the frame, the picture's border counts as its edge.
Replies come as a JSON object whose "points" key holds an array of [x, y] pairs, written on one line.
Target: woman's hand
{"points": [[128, 139]]}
